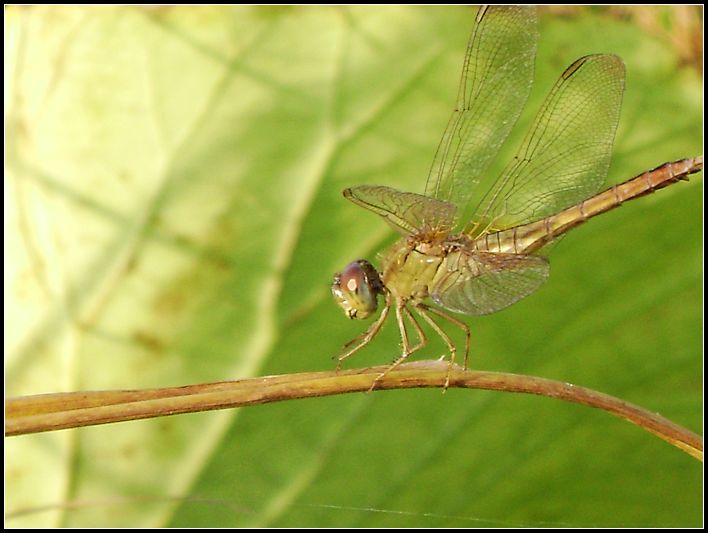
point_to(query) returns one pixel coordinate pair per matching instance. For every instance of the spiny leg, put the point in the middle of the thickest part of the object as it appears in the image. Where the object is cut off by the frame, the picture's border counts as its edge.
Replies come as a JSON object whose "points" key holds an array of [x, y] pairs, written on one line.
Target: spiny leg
{"points": [[464, 327], [422, 339], [365, 338], [401, 311], [422, 311]]}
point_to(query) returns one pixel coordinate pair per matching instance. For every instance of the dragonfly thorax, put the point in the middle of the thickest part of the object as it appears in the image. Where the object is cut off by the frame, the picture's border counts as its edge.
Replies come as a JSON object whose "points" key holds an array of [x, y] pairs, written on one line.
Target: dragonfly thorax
{"points": [[410, 268]]}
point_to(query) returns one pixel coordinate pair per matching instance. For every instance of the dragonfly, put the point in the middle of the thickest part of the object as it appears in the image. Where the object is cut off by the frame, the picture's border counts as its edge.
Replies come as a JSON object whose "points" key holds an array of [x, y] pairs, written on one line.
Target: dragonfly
{"points": [[446, 262]]}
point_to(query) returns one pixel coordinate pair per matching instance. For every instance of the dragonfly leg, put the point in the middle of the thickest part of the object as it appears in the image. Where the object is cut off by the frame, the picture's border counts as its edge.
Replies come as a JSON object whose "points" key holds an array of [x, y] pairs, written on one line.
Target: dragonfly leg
{"points": [[358, 342], [403, 312], [424, 310], [422, 339]]}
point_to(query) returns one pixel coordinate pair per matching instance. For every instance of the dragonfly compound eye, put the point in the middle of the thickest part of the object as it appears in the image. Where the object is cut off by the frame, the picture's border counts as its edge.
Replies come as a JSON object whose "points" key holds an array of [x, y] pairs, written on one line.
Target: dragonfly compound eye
{"points": [[356, 289]]}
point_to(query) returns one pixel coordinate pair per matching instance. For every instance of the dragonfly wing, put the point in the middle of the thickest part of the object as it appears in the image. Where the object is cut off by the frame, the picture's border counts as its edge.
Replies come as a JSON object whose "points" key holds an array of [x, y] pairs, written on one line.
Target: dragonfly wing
{"points": [[407, 212], [496, 79], [565, 156], [480, 283]]}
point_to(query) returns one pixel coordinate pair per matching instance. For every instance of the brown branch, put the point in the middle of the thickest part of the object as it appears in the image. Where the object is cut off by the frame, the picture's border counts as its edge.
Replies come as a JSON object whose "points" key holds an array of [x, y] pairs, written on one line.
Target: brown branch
{"points": [[48, 412]]}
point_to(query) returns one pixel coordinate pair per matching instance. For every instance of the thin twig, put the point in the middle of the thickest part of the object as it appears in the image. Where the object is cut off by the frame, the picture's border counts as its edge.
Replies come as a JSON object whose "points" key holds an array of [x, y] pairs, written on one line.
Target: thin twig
{"points": [[48, 412]]}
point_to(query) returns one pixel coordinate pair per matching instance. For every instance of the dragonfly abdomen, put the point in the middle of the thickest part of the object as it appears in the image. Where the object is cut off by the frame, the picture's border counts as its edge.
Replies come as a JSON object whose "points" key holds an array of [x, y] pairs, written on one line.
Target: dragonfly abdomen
{"points": [[528, 238]]}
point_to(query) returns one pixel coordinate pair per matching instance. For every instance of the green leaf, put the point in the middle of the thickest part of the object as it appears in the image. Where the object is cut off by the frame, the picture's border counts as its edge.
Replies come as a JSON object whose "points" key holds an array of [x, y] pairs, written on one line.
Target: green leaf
{"points": [[174, 215]]}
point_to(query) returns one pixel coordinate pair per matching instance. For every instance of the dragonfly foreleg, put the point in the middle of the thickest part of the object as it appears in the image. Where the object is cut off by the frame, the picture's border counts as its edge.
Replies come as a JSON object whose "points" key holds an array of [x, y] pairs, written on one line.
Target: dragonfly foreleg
{"points": [[403, 312], [358, 342]]}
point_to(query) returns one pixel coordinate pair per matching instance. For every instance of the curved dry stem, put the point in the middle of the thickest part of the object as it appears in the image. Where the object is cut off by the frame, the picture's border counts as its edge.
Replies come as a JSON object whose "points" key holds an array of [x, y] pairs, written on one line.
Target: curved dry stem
{"points": [[48, 412]]}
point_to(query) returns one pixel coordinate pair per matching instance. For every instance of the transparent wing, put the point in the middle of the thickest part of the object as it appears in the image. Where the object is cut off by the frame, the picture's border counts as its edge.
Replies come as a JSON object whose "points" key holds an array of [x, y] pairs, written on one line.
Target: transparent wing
{"points": [[496, 78], [565, 156], [407, 212], [481, 283]]}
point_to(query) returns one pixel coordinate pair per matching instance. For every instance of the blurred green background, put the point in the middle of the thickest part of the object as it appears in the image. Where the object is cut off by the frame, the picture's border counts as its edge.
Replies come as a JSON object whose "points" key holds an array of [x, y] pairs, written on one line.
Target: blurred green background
{"points": [[173, 215]]}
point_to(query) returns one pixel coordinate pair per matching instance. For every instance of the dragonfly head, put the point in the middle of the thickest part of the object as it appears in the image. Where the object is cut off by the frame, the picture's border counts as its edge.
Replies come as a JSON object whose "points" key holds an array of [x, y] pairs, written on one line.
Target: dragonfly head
{"points": [[357, 288]]}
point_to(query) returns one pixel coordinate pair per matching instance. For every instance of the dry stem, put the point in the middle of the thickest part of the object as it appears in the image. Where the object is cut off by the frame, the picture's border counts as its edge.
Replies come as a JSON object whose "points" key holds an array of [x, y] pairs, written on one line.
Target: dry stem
{"points": [[48, 412]]}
